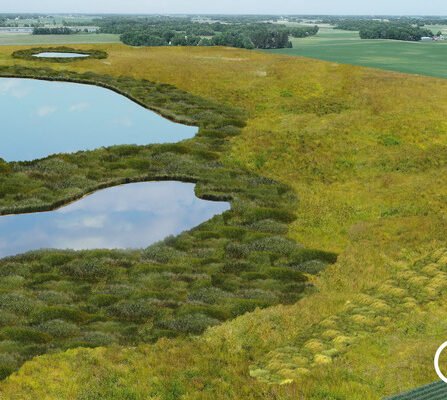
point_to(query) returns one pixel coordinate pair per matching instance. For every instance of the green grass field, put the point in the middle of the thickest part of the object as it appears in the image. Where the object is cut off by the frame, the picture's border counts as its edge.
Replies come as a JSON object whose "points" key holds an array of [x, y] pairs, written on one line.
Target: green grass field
{"points": [[347, 48], [25, 39]]}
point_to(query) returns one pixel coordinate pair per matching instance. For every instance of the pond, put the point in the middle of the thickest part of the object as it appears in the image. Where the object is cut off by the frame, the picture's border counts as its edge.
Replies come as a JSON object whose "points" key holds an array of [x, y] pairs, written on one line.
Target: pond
{"points": [[128, 216], [41, 118], [52, 54]]}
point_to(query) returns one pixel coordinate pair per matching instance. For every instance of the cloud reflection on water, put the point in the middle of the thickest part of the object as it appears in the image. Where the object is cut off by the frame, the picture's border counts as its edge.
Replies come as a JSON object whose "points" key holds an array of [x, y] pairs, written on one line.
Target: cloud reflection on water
{"points": [[83, 117], [128, 216]]}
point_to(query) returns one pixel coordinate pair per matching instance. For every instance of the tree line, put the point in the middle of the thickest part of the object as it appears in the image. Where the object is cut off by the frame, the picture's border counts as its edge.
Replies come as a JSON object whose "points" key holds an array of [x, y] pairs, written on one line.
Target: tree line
{"points": [[395, 31], [53, 31], [169, 31], [402, 28]]}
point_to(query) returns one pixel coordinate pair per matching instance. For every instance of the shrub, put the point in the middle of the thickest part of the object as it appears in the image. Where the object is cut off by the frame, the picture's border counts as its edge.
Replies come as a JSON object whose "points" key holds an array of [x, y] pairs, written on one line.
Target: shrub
{"points": [[59, 312], [209, 295], [59, 328], [191, 323], [160, 253], [135, 310], [304, 255], [242, 306], [24, 334], [92, 339], [90, 270], [236, 250], [275, 244], [52, 297], [8, 364], [103, 300], [269, 226], [16, 302], [286, 274], [235, 267], [14, 269]]}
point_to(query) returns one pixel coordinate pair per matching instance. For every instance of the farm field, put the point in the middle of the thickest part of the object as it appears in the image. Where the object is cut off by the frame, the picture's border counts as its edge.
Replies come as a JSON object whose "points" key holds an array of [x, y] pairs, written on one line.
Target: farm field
{"points": [[365, 153], [25, 39], [346, 47]]}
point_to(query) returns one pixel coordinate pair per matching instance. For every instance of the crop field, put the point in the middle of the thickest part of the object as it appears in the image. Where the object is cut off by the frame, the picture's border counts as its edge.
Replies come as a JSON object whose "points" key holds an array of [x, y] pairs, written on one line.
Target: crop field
{"points": [[355, 158], [347, 47], [26, 39]]}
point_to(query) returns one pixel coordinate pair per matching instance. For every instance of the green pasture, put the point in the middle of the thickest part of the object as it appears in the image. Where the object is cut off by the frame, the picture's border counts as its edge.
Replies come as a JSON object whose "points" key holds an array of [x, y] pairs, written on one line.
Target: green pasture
{"points": [[25, 39], [347, 48]]}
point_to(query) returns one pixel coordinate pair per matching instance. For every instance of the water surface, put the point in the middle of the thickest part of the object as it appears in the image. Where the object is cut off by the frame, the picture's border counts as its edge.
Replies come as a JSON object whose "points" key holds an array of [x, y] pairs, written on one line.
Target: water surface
{"points": [[41, 118], [128, 216], [53, 54]]}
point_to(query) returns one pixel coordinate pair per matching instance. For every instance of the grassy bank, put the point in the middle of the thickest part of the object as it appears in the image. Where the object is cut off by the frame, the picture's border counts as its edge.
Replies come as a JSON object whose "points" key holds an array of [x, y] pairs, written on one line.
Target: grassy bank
{"points": [[364, 151]]}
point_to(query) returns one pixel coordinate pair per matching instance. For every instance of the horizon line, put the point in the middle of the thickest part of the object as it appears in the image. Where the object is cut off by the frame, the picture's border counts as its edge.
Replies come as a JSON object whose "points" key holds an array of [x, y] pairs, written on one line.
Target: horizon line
{"points": [[222, 14]]}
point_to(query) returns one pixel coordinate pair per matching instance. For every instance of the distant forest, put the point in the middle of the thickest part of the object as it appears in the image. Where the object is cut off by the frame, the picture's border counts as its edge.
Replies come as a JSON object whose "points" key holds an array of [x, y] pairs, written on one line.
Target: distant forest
{"points": [[165, 31], [52, 31], [397, 30]]}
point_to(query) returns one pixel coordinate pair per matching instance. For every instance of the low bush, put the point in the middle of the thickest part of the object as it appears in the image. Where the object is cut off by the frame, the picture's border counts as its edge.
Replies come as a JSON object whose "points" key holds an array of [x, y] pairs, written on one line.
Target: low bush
{"points": [[191, 324]]}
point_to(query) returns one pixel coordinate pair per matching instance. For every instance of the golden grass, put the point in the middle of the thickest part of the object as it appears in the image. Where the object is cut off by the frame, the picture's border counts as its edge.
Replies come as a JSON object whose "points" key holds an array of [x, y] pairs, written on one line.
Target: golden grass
{"points": [[365, 150]]}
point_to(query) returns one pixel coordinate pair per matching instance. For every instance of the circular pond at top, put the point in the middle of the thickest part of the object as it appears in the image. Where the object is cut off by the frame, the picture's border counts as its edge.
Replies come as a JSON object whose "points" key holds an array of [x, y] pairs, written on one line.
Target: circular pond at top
{"points": [[41, 118], [128, 216], [52, 54]]}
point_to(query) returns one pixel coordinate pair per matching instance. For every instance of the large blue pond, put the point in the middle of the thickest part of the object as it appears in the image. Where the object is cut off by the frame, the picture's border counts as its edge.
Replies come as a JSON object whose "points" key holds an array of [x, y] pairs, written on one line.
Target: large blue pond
{"points": [[129, 216], [40, 118]]}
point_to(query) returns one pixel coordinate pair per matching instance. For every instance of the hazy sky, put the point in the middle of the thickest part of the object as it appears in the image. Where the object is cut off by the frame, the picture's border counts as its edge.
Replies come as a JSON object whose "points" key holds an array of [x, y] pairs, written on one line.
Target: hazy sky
{"points": [[414, 7]]}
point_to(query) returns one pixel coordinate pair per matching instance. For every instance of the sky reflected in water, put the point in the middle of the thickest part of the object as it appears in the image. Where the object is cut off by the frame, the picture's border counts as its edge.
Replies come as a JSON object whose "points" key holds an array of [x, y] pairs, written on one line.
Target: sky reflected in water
{"points": [[40, 118], [53, 54], [128, 216]]}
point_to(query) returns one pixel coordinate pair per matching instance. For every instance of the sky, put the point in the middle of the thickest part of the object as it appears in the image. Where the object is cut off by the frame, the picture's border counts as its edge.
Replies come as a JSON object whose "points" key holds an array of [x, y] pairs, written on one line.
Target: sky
{"points": [[356, 7]]}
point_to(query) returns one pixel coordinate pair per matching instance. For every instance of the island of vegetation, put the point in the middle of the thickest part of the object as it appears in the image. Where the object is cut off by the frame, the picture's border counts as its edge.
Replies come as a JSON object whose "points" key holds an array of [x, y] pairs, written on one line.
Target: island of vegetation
{"points": [[29, 54]]}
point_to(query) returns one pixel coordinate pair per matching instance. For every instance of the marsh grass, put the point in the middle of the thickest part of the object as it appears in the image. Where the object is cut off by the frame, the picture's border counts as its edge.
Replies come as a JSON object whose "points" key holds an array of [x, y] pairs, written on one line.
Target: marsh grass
{"points": [[177, 287]]}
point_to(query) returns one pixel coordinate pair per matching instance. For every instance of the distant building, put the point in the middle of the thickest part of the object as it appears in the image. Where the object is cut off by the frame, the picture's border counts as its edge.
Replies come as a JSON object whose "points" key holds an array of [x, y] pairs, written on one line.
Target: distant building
{"points": [[426, 38]]}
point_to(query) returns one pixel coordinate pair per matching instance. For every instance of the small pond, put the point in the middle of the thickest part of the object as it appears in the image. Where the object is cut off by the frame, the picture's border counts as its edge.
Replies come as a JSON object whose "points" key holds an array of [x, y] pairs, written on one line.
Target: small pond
{"points": [[41, 118], [128, 216], [53, 54]]}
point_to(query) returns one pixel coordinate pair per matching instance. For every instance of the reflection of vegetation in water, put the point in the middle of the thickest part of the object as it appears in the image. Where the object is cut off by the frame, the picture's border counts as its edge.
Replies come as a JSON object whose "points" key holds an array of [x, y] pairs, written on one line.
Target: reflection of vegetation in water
{"points": [[230, 265]]}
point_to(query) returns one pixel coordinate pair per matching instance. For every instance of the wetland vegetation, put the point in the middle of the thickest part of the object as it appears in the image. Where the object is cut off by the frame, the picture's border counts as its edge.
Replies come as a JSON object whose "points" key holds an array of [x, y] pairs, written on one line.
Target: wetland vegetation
{"points": [[343, 159], [230, 265]]}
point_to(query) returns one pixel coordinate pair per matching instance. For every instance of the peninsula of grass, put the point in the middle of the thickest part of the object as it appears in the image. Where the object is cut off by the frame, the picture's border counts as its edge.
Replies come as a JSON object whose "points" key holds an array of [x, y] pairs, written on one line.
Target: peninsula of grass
{"points": [[30, 54]]}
